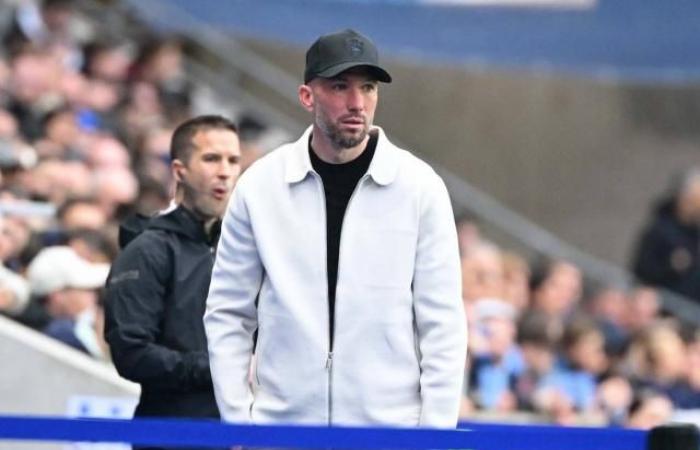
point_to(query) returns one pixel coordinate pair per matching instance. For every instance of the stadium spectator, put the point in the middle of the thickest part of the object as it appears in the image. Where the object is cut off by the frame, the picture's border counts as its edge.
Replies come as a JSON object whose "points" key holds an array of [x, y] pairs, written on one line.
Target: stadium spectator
{"points": [[115, 188], [668, 252], [658, 361], [468, 233], [33, 75], [161, 64], [92, 245], [153, 156], [614, 396], [608, 304], [156, 292], [142, 111], [109, 60], [44, 24], [77, 213], [253, 146], [497, 360], [62, 137], [643, 309], [67, 286], [516, 281], [583, 344], [544, 386], [8, 125], [649, 409], [482, 272], [14, 292], [556, 288], [56, 181]]}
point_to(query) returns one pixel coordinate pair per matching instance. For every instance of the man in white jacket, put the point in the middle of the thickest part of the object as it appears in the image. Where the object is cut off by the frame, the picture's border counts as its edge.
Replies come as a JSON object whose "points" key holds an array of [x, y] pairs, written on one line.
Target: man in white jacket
{"points": [[340, 249]]}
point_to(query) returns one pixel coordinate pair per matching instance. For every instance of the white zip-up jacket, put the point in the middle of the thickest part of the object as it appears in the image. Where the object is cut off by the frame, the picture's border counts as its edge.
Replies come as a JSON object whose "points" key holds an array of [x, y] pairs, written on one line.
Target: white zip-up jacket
{"points": [[400, 331]]}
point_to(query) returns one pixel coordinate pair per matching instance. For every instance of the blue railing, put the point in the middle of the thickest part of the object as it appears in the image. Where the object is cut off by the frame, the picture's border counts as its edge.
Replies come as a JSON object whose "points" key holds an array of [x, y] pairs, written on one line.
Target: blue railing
{"points": [[215, 434]]}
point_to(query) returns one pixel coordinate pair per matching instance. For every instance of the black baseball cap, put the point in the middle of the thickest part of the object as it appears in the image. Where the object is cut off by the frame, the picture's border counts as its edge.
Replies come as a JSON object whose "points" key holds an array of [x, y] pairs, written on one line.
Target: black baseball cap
{"points": [[337, 52]]}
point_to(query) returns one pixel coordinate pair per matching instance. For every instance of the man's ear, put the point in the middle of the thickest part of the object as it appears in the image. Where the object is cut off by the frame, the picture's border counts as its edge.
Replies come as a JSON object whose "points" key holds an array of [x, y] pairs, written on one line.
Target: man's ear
{"points": [[178, 169], [306, 97]]}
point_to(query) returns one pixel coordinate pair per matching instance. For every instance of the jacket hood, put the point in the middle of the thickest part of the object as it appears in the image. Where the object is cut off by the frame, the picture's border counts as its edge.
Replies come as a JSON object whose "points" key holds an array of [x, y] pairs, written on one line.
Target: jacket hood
{"points": [[131, 227], [180, 221], [665, 207]]}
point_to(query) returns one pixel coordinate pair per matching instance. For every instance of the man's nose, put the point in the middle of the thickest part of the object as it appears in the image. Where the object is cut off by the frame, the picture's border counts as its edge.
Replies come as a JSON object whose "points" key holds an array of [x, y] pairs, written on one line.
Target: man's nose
{"points": [[225, 170], [356, 101]]}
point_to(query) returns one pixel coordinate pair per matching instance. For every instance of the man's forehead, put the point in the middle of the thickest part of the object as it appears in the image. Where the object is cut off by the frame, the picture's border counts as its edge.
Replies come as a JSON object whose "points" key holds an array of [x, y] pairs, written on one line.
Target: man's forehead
{"points": [[211, 138], [209, 133]]}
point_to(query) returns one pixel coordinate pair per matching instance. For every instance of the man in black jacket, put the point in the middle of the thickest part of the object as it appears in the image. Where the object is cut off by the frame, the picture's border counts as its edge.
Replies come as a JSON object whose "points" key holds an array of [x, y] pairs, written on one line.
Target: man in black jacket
{"points": [[158, 285], [668, 251]]}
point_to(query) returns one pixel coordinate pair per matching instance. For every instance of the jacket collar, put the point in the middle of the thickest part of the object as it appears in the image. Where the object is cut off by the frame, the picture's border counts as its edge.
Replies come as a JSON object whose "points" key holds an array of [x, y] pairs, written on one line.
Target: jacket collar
{"points": [[183, 221], [382, 169]]}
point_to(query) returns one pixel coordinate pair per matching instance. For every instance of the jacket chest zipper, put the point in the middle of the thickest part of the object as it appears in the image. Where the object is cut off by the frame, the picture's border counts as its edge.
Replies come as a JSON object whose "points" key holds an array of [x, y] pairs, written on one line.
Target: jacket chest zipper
{"points": [[329, 369], [329, 360]]}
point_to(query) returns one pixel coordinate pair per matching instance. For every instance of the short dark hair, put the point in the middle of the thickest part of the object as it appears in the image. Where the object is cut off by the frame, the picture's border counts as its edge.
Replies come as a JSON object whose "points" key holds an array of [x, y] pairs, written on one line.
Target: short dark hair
{"points": [[181, 143], [71, 202], [537, 328]]}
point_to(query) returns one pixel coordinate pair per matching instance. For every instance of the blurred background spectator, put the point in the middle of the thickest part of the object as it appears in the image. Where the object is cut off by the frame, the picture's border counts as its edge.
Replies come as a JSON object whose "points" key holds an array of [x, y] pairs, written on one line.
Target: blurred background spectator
{"points": [[668, 252]]}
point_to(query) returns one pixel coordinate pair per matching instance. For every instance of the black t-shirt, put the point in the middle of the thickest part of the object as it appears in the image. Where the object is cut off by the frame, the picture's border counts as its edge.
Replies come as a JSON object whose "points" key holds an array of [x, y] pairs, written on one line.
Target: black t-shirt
{"points": [[339, 182]]}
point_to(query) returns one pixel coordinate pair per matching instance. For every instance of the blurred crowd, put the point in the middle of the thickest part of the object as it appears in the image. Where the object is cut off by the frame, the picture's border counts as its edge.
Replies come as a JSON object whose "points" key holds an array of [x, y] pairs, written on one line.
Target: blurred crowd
{"points": [[85, 124], [545, 339], [86, 119]]}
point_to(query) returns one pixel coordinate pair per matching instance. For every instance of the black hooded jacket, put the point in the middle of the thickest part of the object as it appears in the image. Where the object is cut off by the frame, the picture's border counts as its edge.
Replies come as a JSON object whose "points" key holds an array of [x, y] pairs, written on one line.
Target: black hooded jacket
{"points": [[155, 302], [668, 253]]}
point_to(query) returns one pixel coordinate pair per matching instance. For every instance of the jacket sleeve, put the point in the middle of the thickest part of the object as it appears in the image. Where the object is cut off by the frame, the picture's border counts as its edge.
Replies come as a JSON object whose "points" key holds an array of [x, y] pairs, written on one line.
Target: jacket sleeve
{"points": [[134, 306], [231, 316], [439, 312]]}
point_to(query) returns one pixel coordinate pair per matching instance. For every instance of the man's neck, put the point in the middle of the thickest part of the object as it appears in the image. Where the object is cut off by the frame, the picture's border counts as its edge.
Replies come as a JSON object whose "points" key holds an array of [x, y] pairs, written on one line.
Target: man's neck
{"points": [[208, 224], [328, 152]]}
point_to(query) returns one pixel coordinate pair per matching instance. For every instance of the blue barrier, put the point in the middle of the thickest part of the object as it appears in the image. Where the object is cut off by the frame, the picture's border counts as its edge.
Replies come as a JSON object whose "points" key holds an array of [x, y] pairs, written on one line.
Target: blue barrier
{"points": [[215, 434]]}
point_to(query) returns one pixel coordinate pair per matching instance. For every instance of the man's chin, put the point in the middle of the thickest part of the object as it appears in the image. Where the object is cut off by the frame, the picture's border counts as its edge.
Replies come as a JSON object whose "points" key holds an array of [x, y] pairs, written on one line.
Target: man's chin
{"points": [[214, 210], [350, 140]]}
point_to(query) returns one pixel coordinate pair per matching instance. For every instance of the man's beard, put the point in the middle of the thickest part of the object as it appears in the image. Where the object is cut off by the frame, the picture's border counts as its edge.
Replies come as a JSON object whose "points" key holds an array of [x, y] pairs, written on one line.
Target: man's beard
{"points": [[201, 206], [335, 134]]}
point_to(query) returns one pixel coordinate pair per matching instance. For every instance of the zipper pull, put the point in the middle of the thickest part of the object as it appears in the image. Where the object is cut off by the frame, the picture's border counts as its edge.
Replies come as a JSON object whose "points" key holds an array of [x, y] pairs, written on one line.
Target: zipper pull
{"points": [[329, 361]]}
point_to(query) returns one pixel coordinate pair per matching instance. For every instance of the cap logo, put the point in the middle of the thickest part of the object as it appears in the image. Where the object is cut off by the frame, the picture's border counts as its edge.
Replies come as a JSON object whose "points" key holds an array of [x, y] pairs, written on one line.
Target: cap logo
{"points": [[355, 46]]}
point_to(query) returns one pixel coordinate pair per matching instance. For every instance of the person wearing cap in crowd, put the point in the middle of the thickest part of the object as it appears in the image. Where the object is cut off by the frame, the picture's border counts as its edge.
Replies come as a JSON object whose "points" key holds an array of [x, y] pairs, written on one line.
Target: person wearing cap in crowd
{"points": [[68, 287], [157, 288], [340, 249]]}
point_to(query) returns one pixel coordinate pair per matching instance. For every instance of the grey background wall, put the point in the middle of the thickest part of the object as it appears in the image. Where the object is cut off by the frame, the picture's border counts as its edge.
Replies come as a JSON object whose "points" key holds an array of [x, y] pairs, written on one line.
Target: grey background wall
{"points": [[582, 158], [41, 376]]}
